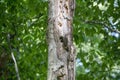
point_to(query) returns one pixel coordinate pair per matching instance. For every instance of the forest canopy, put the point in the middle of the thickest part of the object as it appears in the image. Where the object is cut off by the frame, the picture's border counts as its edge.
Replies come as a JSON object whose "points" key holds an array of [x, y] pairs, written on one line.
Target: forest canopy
{"points": [[96, 33]]}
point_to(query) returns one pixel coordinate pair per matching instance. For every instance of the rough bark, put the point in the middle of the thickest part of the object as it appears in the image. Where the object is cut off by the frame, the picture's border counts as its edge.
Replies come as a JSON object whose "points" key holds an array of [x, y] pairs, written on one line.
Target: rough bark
{"points": [[61, 51]]}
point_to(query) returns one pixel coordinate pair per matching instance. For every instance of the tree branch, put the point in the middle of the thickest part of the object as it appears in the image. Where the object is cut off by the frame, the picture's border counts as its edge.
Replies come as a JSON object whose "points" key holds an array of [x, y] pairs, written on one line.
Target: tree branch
{"points": [[13, 57], [16, 67], [105, 25]]}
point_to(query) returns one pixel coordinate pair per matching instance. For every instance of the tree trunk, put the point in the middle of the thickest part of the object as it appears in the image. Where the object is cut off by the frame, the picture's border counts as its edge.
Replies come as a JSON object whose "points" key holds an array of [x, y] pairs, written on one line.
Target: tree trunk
{"points": [[61, 51]]}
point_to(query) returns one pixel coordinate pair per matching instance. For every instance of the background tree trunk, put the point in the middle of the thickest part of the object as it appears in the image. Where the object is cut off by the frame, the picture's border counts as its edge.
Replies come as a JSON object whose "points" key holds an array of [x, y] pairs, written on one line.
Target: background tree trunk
{"points": [[61, 51]]}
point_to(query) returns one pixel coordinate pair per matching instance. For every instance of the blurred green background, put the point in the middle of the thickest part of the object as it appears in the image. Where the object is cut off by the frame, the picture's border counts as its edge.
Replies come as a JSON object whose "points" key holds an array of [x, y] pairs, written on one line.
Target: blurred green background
{"points": [[96, 34]]}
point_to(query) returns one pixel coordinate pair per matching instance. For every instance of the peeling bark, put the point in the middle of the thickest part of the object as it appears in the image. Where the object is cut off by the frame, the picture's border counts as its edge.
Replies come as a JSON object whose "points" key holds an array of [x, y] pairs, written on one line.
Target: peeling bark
{"points": [[61, 51]]}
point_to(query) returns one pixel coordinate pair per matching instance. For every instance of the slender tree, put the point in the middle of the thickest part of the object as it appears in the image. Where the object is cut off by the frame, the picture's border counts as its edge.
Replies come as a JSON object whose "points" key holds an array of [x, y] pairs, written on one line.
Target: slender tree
{"points": [[61, 51]]}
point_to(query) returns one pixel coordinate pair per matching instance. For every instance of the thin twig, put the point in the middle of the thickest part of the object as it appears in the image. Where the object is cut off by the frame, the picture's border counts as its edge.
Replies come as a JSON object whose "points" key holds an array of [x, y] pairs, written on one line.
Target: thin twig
{"points": [[16, 67], [13, 57], [103, 24]]}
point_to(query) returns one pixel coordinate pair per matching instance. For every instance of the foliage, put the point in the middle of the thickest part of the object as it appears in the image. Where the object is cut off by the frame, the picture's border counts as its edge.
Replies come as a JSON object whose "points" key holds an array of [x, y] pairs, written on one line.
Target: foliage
{"points": [[96, 35], [23, 23]]}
